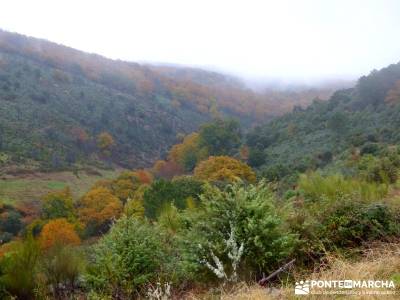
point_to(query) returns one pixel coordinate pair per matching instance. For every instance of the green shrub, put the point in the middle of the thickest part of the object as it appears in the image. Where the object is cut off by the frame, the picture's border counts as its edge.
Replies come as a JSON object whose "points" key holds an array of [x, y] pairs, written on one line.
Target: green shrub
{"points": [[353, 224], [379, 169], [257, 220], [335, 213], [126, 259], [10, 222], [19, 269], [58, 204], [163, 192], [62, 265]]}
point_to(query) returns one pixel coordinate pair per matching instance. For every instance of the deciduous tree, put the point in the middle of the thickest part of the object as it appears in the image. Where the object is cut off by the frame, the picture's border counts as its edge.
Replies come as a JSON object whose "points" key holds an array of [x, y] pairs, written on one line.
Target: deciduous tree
{"points": [[224, 168], [98, 207], [58, 232]]}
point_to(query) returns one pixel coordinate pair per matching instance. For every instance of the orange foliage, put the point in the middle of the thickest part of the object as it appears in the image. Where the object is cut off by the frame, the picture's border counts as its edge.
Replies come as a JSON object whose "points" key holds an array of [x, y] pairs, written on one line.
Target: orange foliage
{"points": [[58, 232], [99, 206], [224, 168], [144, 176]]}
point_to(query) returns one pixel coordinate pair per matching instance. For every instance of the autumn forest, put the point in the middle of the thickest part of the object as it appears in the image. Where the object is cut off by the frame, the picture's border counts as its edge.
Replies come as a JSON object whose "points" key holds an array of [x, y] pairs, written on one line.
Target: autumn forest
{"points": [[121, 180]]}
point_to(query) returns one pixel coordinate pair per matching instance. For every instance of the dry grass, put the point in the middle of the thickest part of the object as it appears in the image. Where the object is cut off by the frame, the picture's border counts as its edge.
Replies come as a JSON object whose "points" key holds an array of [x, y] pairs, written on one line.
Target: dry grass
{"points": [[34, 186], [379, 262]]}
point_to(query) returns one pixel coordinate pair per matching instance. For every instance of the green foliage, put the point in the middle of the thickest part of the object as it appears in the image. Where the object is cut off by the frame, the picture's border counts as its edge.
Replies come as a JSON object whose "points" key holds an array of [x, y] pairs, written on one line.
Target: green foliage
{"points": [[62, 265], [355, 119], [130, 256], [169, 218], [315, 187], [379, 169], [10, 222], [372, 89], [163, 192], [55, 123], [19, 269], [354, 223], [258, 223], [58, 204], [338, 123], [134, 207], [256, 157], [337, 213], [221, 137]]}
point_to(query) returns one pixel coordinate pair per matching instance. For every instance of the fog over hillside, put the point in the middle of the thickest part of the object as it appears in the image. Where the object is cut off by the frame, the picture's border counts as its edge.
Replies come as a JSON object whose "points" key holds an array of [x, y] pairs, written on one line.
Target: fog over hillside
{"points": [[300, 41]]}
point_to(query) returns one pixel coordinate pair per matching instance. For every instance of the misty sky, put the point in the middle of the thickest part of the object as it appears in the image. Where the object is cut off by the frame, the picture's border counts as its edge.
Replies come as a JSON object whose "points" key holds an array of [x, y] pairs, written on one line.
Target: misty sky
{"points": [[298, 39]]}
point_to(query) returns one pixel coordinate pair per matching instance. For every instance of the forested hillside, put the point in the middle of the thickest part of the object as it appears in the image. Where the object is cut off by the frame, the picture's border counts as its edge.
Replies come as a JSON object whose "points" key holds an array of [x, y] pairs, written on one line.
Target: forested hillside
{"points": [[61, 107], [314, 189], [361, 120]]}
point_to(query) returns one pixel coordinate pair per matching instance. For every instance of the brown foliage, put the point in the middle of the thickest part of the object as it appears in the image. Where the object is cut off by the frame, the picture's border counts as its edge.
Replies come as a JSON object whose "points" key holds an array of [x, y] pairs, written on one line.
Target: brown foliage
{"points": [[167, 169]]}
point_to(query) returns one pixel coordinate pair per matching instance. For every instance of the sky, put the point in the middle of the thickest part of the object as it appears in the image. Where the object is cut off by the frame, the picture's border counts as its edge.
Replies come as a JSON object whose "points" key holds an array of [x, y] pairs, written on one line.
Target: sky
{"points": [[281, 39]]}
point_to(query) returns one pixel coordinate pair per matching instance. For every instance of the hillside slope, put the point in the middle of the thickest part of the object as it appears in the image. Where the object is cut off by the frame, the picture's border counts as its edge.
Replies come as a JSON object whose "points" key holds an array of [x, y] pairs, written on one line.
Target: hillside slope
{"points": [[61, 107], [362, 120]]}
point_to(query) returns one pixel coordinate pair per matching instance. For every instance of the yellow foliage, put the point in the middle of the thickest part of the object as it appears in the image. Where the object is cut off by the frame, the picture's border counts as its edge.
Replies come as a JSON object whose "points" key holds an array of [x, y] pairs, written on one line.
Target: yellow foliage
{"points": [[106, 183], [123, 188], [128, 182], [99, 205], [224, 168], [105, 141], [58, 232], [158, 166], [189, 144], [190, 203], [134, 206]]}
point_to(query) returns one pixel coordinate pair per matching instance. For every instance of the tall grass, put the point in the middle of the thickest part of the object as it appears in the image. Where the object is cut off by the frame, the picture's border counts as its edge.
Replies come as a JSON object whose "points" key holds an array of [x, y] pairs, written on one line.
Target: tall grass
{"points": [[315, 186]]}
